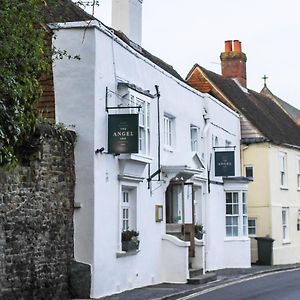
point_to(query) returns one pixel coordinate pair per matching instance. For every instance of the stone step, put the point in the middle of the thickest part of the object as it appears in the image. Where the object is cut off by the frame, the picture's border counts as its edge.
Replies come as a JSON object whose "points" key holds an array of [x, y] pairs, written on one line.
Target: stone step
{"points": [[195, 272], [201, 279]]}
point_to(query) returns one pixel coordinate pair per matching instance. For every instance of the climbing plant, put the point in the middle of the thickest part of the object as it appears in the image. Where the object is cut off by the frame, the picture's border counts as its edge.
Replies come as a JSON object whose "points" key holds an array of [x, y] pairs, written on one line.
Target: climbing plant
{"points": [[24, 57]]}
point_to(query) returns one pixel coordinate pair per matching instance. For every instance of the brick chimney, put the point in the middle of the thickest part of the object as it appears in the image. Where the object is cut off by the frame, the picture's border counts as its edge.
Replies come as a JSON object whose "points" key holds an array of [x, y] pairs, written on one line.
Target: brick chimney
{"points": [[233, 62], [127, 17]]}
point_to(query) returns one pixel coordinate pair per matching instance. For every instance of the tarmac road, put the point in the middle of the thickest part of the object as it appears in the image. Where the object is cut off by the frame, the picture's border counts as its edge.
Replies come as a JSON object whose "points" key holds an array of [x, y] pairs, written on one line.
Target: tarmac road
{"points": [[283, 285]]}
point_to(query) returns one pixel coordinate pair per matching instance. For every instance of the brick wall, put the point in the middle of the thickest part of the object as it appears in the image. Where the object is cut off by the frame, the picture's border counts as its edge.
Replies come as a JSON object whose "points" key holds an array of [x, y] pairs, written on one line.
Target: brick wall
{"points": [[36, 220]]}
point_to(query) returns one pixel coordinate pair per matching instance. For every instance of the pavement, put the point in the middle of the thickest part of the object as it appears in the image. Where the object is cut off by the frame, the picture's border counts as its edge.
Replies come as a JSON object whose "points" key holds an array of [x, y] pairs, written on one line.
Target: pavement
{"points": [[171, 291]]}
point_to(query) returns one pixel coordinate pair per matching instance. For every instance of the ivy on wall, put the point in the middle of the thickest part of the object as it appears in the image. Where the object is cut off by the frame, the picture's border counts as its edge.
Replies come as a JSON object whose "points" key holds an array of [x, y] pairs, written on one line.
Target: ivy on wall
{"points": [[24, 57]]}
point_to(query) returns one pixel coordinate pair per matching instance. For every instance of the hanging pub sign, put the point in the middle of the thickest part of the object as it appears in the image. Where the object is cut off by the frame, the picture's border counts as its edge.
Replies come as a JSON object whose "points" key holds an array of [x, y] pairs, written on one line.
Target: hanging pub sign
{"points": [[224, 163], [123, 133]]}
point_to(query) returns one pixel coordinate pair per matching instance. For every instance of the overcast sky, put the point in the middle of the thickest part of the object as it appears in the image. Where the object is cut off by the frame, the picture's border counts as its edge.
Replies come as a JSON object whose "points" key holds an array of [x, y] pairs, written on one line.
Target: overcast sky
{"points": [[185, 32]]}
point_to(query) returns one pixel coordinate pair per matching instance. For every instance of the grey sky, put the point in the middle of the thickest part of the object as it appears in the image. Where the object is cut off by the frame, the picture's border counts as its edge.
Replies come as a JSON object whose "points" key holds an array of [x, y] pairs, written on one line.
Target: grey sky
{"points": [[185, 32]]}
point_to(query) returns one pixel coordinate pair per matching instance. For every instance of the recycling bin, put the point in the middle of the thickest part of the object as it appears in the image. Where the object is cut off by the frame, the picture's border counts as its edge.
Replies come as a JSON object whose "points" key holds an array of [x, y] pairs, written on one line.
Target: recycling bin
{"points": [[265, 250]]}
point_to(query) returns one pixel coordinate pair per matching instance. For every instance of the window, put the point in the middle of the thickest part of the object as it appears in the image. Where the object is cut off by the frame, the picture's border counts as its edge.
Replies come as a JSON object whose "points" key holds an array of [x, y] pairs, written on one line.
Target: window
{"points": [[249, 172], [168, 131], [144, 120], [298, 173], [128, 209], [252, 226], [125, 210], [194, 130], [282, 166], [232, 214], [285, 227], [244, 214], [236, 214]]}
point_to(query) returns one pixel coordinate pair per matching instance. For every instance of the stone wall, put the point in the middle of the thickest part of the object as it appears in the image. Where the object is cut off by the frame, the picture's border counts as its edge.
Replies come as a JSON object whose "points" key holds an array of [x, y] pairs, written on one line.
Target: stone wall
{"points": [[36, 220]]}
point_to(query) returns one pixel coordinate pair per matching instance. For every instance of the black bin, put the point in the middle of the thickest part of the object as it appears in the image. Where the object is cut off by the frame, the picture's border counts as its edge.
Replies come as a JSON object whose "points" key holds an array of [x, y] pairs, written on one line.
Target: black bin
{"points": [[265, 250]]}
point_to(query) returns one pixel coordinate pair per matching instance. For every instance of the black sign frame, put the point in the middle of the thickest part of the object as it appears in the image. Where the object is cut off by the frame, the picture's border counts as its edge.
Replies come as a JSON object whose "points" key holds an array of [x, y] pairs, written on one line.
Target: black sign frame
{"points": [[123, 133], [224, 163]]}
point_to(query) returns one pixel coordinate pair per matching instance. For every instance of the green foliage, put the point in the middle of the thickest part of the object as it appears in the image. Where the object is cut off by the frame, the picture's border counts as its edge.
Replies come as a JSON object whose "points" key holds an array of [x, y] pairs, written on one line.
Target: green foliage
{"points": [[129, 235], [24, 57]]}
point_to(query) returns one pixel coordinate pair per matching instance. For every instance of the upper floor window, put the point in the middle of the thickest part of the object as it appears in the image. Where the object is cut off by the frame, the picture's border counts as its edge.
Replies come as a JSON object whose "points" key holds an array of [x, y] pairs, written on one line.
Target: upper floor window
{"points": [[195, 141], [249, 172], [144, 120], [283, 168], [169, 131]]}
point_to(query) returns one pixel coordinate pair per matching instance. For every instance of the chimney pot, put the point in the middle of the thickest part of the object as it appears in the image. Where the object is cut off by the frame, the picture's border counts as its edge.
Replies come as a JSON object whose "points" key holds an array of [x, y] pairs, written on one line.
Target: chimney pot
{"points": [[237, 46], [228, 46]]}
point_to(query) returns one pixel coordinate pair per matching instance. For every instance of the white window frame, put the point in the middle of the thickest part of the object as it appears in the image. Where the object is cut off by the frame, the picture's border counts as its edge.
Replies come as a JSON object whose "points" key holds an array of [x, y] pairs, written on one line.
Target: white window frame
{"points": [[128, 202], [283, 170], [236, 215], [169, 132], [298, 172], [125, 210], [252, 227], [285, 224], [195, 138], [138, 99]]}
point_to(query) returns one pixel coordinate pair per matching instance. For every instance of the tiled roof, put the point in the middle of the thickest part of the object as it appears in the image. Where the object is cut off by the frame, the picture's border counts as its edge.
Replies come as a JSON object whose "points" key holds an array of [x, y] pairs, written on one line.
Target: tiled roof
{"points": [[67, 11], [293, 112], [60, 11], [260, 110]]}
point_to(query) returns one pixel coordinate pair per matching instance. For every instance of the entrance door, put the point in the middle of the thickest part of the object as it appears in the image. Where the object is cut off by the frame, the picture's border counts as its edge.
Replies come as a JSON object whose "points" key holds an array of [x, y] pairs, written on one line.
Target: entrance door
{"points": [[180, 212]]}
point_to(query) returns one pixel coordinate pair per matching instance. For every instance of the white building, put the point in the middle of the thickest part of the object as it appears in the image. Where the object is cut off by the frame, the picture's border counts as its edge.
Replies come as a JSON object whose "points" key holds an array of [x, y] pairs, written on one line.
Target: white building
{"points": [[112, 194]]}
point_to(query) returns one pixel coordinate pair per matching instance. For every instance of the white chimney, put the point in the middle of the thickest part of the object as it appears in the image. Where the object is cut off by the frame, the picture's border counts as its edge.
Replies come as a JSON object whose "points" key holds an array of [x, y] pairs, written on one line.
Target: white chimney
{"points": [[127, 17]]}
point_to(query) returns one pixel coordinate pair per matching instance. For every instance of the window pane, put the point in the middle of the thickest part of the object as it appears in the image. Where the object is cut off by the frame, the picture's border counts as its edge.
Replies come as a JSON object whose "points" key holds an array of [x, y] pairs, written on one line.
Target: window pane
{"points": [[235, 231], [249, 172], [235, 220], [228, 209], [235, 198], [228, 197]]}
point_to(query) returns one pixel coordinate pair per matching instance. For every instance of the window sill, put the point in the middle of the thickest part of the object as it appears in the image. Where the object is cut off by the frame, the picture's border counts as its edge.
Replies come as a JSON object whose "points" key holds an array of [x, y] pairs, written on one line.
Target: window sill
{"points": [[128, 253], [285, 188], [298, 189], [286, 243]]}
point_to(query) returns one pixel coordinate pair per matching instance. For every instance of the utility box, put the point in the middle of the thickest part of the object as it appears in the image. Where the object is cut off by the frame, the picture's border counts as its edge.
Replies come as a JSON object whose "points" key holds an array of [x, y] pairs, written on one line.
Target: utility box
{"points": [[265, 250]]}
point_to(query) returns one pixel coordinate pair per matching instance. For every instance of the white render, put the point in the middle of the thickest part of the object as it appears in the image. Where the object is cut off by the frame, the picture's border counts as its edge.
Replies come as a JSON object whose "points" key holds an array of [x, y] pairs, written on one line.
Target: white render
{"points": [[127, 17], [80, 92]]}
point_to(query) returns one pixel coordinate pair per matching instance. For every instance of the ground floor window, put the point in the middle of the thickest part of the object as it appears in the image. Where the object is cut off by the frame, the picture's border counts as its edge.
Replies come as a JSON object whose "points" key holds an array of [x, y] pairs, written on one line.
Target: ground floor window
{"points": [[252, 226], [285, 224], [236, 214], [128, 209], [129, 233]]}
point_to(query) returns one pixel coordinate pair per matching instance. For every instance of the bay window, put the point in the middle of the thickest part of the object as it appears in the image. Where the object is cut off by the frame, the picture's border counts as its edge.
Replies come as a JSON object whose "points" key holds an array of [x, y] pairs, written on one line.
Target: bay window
{"points": [[236, 214]]}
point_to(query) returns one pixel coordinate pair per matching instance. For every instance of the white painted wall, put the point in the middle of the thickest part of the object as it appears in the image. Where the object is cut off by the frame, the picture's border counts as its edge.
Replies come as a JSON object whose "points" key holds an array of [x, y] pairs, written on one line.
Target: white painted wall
{"points": [[175, 255]]}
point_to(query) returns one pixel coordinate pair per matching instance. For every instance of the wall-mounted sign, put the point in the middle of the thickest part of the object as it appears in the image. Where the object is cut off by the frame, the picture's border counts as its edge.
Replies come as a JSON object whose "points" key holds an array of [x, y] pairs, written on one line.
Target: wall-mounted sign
{"points": [[123, 133], [224, 163], [159, 213]]}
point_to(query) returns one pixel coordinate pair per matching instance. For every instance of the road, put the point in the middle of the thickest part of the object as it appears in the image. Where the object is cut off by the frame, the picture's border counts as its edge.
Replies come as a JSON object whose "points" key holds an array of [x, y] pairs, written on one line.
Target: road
{"points": [[276, 286]]}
